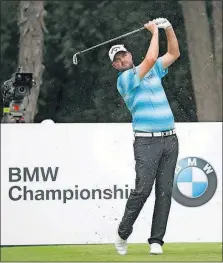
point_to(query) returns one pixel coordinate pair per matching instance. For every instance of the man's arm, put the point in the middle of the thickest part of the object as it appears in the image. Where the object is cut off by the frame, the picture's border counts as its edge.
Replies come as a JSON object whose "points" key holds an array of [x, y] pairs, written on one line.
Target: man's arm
{"points": [[173, 51], [153, 51]]}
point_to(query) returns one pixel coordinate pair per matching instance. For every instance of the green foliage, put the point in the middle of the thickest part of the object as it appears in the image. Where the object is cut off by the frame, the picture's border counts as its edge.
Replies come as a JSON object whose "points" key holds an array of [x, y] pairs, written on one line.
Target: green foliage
{"points": [[87, 92], [9, 39]]}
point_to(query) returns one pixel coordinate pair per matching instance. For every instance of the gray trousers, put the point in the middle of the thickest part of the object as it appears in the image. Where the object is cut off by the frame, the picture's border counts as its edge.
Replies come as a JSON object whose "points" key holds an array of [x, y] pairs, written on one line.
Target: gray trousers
{"points": [[155, 161]]}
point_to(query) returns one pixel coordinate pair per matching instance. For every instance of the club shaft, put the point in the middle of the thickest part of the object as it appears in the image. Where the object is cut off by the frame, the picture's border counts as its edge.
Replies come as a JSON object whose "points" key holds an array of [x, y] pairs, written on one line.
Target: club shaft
{"points": [[113, 39]]}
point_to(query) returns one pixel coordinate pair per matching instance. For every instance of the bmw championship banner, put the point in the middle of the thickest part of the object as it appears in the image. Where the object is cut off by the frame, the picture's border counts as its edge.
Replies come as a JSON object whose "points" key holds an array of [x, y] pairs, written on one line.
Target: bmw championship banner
{"points": [[69, 183]]}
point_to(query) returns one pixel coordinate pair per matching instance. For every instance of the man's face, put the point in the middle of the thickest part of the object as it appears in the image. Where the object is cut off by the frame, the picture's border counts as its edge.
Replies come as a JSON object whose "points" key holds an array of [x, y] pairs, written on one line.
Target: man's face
{"points": [[122, 61]]}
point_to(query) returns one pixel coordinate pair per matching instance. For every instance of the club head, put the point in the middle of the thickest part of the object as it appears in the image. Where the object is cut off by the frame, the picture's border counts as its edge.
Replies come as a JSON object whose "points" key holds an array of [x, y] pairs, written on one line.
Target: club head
{"points": [[75, 59]]}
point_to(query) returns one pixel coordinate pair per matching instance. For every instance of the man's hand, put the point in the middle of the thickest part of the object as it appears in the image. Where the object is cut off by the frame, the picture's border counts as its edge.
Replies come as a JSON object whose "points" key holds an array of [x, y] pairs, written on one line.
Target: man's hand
{"points": [[162, 23], [151, 26]]}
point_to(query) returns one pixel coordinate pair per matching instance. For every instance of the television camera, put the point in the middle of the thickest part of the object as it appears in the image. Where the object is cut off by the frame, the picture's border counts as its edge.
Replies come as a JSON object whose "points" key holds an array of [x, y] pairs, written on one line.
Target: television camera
{"points": [[14, 91]]}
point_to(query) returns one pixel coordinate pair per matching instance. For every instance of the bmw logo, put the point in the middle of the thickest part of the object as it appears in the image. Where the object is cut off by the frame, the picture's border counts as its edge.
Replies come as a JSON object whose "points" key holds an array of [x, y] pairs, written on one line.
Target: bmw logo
{"points": [[195, 182]]}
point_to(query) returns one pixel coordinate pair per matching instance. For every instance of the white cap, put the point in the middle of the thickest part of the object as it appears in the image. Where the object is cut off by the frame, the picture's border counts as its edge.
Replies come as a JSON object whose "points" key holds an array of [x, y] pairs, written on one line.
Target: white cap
{"points": [[114, 50], [47, 121]]}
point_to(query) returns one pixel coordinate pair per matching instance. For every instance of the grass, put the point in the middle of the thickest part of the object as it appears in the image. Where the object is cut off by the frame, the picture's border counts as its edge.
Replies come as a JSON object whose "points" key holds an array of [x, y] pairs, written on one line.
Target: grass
{"points": [[136, 252]]}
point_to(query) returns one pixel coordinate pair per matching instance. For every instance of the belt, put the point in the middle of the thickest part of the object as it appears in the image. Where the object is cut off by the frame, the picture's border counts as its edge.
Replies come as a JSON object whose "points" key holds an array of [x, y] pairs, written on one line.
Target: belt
{"points": [[155, 134]]}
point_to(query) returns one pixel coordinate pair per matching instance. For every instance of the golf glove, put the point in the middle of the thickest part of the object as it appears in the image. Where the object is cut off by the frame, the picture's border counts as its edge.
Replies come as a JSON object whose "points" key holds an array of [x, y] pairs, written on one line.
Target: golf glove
{"points": [[162, 23]]}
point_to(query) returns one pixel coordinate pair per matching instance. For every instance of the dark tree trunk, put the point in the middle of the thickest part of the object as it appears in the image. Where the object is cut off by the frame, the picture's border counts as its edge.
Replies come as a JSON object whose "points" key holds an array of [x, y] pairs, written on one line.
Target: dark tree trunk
{"points": [[32, 29], [201, 60]]}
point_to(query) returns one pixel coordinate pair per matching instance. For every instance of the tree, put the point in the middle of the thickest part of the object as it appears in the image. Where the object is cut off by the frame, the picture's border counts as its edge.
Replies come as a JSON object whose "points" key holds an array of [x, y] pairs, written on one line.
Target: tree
{"points": [[201, 60], [32, 29], [217, 24]]}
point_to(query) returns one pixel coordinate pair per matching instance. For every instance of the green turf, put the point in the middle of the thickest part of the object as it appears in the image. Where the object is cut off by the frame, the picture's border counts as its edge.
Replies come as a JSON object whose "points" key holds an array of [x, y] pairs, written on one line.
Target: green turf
{"points": [[136, 252]]}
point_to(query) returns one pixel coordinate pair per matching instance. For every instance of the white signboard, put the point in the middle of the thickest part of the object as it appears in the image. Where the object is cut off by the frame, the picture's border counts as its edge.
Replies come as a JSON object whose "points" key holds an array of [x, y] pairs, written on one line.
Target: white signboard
{"points": [[69, 183]]}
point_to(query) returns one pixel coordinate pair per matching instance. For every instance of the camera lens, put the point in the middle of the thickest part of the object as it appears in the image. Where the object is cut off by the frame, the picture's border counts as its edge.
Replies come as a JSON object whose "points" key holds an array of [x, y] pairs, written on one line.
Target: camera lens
{"points": [[22, 89]]}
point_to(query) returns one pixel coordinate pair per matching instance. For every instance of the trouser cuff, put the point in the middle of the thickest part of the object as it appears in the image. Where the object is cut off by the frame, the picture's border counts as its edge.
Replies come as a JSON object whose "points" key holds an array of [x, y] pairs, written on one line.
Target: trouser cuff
{"points": [[155, 240]]}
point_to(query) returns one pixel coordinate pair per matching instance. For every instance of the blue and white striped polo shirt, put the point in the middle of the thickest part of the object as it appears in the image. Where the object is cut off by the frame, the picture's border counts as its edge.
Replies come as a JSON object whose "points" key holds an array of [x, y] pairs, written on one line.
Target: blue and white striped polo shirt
{"points": [[146, 99]]}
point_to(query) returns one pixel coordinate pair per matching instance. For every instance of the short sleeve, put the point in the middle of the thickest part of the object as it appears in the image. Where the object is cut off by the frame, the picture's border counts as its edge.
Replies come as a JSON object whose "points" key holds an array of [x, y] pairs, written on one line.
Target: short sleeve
{"points": [[128, 81], [160, 71]]}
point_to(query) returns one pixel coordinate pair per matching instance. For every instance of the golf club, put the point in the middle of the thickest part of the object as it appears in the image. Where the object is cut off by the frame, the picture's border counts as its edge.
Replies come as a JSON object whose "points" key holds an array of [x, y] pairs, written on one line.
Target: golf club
{"points": [[113, 39]]}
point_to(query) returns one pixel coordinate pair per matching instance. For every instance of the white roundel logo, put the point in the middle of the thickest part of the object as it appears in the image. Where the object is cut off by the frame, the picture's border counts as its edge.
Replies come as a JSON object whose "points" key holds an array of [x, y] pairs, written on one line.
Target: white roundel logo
{"points": [[195, 182], [192, 182]]}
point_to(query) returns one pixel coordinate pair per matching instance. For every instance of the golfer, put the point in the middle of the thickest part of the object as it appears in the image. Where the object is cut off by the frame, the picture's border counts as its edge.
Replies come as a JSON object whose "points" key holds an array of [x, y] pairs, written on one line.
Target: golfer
{"points": [[156, 144]]}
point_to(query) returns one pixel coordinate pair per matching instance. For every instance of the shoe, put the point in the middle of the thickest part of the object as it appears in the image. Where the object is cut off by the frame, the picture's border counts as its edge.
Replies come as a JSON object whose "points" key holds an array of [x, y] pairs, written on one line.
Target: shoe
{"points": [[156, 249], [121, 245]]}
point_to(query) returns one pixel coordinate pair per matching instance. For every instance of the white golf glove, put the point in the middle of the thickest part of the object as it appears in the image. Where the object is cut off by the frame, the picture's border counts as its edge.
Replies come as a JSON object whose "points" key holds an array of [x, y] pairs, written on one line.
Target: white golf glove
{"points": [[162, 23]]}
